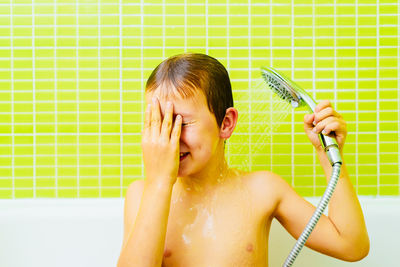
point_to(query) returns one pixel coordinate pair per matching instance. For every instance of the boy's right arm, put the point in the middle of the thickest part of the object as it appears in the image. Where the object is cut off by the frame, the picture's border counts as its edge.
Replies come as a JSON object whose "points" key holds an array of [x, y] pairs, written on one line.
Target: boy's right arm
{"points": [[146, 223], [144, 234]]}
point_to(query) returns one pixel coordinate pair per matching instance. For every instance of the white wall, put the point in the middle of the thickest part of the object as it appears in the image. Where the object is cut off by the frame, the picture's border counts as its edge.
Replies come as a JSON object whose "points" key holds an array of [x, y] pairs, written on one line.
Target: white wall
{"points": [[88, 232]]}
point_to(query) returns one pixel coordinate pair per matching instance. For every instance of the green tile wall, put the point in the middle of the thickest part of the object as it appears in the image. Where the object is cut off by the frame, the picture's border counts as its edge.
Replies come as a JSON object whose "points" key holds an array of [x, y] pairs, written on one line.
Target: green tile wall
{"points": [[72, 76]]}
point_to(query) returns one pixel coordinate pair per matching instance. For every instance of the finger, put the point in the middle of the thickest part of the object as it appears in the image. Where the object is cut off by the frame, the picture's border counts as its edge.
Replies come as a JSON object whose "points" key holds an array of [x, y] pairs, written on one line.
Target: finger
{"points": [[147, 114], [331, 128], [167, 122], [325, 113], [176, 131], [323, 104], [323, 124], [309, 118], [308, 121], [155, 118]]}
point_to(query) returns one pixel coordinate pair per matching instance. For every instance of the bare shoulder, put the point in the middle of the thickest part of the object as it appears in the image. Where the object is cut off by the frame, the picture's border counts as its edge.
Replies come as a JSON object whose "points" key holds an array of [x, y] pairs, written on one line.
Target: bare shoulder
{"points": [[265, 181], [267, 187], [135, 188]]}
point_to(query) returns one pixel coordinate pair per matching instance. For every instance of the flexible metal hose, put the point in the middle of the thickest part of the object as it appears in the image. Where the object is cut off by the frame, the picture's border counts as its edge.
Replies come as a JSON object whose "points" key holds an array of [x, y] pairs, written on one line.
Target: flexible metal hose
{"points": [[316, 216]]}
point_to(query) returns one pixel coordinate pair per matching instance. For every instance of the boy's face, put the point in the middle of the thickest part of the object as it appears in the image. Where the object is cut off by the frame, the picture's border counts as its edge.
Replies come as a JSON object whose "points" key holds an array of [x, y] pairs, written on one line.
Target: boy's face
{"points": [[199, 134]]}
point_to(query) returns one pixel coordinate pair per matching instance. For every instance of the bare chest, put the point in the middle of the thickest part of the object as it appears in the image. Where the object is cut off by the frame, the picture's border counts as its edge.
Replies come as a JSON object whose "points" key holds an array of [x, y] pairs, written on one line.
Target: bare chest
{"points": [[222, 232]]}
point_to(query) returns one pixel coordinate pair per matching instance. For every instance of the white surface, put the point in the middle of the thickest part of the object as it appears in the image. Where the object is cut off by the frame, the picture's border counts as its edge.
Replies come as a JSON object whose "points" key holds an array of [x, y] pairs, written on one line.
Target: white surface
{"points": [[382, 217], [60, 233], [88, 232]]}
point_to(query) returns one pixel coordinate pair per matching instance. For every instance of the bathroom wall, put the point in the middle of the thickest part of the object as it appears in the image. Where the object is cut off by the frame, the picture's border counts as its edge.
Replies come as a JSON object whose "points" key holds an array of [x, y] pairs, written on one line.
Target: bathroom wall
{"points": [[72, 77]]}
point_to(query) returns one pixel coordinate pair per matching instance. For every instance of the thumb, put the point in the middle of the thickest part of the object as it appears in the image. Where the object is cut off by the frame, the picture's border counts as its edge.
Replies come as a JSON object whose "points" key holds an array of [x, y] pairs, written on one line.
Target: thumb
{"points": [[308, 122]]}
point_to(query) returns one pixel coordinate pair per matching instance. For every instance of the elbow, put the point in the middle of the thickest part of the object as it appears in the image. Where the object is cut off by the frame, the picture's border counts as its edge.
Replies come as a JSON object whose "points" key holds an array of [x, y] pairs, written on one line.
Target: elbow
{"points": [[363, 251], [357, 251]]}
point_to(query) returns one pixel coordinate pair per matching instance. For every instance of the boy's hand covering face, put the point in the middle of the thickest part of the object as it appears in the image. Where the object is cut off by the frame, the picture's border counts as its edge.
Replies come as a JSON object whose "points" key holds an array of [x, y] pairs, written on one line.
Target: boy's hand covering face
{"points": [[160, 144]]}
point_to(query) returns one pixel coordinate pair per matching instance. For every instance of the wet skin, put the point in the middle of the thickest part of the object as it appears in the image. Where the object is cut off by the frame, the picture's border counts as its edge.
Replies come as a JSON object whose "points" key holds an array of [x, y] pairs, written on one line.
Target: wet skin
{"points": [[227, 226]]}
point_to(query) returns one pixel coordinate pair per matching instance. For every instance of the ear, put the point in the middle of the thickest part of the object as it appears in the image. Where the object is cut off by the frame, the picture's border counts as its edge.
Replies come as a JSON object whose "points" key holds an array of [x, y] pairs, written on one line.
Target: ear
{"points": [[229, 123]]}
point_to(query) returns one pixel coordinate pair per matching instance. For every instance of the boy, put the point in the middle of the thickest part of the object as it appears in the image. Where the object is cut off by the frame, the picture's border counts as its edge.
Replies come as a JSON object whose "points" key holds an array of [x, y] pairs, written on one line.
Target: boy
{"points": [[193, 210]]}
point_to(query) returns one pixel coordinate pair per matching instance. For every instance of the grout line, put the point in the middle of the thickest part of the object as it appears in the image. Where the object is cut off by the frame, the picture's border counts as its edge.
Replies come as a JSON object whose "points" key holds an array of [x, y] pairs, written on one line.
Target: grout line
{"points": [[33, 100], [185, 31], [293, 77], [206, 17], [163, 29], [141, 69], [12, 100], [356, 102], [117, 186], [99, 95], [121, 110], [347, 101], [249, 81], [77, 95], [314, 97], [327, 48], [335, 56], [398, 94], [56, 101], [236, 68], [377, 102], [228, 62], [213, 4], [270, 96]]}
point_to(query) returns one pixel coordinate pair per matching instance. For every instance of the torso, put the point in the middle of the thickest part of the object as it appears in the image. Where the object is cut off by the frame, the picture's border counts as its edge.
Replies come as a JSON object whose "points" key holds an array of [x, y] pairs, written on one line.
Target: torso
{"points": [[226, 228]]}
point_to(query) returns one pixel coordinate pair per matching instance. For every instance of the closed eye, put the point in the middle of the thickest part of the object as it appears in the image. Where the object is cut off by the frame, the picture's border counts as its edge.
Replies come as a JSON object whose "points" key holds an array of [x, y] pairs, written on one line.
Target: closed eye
{"points": [[187, 123]]}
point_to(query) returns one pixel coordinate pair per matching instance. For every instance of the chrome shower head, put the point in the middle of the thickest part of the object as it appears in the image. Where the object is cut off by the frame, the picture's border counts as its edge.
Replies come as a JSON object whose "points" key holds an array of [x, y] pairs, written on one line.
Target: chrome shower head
{"points": [[287, 89], [297, 97]]}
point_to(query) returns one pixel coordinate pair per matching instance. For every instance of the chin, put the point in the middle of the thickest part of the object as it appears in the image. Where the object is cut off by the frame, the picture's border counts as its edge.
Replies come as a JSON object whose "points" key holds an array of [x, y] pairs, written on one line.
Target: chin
{"points": [[186, 169], [190, 168], [183, 172]]}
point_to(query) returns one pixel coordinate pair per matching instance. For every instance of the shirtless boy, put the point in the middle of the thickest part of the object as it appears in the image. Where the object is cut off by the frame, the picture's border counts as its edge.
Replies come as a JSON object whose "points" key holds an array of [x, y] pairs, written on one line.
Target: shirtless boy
{"points": [[192, 210]]}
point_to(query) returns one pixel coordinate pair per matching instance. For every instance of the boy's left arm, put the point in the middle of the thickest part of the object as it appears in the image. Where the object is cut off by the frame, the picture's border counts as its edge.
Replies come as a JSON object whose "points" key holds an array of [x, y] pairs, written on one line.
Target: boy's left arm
{"points": [[341, 234]]}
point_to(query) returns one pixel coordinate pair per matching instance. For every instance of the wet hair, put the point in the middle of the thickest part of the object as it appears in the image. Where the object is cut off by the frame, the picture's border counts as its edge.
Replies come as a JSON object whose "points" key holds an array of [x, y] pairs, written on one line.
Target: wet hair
{"points": [[185, 73]]}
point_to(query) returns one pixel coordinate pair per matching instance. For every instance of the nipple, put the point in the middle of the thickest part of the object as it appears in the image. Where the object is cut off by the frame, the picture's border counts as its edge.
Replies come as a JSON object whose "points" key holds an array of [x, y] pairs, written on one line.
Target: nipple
{"points": [[249, 247], [167, 253]]}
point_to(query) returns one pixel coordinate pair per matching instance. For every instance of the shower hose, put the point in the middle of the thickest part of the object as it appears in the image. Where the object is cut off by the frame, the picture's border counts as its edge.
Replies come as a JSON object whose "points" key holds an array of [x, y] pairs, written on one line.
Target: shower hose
{"points": [[316, 216]]}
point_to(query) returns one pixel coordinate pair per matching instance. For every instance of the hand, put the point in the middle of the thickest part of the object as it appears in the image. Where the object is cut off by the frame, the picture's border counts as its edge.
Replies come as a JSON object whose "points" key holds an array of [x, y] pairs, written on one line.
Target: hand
{"points": [[327, 121], [160, 144]]}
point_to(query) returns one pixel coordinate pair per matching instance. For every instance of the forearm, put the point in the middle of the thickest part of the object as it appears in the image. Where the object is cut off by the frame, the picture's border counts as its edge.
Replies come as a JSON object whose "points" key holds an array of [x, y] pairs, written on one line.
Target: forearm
{"points": [[145, 244], [344, 208]]}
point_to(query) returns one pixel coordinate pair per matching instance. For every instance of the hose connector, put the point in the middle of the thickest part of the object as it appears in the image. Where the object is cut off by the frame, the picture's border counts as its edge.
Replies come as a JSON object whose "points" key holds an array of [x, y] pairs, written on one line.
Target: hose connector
{"points": [[331, 149], [333, 154]]}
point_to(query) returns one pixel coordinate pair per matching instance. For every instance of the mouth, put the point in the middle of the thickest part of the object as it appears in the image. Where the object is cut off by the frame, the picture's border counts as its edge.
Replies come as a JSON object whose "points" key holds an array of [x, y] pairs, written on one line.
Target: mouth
{"points": [[183, 155]]}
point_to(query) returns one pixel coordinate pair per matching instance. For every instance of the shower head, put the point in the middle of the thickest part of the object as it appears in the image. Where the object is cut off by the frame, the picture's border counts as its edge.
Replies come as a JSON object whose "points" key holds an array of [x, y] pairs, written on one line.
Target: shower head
{"points": [[287, 89], [298, 97]]}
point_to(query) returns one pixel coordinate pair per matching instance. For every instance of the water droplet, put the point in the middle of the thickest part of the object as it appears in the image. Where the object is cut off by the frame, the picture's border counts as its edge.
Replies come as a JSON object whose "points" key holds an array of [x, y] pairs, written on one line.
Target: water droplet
{"points": [[186, 239]]}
